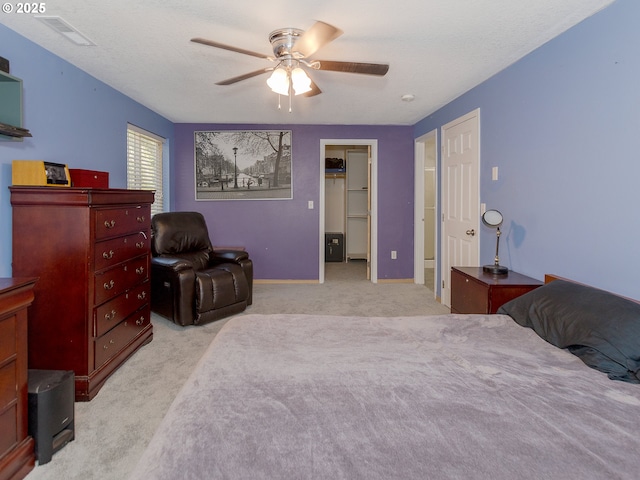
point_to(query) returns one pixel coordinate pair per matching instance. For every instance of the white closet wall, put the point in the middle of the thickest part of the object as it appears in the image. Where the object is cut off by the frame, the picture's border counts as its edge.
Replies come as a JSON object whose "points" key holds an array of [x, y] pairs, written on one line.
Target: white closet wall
{"points": [[334, 211]]}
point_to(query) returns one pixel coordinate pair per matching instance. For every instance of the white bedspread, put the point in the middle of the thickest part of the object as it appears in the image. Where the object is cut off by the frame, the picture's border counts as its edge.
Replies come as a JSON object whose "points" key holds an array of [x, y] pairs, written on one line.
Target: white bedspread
{"points": [[441, 397]]}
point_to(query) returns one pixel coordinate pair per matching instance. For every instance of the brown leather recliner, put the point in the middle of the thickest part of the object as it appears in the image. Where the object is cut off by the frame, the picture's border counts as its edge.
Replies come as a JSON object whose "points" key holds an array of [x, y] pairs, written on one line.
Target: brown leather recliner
{"points": [[191, 283]]}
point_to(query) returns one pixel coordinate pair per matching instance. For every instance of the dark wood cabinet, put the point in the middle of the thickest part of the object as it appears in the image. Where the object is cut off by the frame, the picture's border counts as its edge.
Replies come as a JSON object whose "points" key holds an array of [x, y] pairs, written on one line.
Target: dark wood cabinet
{"points": [[474, 291], [90, 249], [16, 446]]}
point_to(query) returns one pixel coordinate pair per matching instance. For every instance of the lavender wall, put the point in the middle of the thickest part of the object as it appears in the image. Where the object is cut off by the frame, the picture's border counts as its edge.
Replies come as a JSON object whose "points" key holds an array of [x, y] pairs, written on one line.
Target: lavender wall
{"points": [[282, 235], [74, 118], [562, 126]]}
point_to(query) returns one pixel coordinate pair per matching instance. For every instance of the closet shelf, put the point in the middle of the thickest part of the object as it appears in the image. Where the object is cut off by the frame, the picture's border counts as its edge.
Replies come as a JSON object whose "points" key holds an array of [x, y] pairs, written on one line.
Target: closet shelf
{"points": [[335, 175]]}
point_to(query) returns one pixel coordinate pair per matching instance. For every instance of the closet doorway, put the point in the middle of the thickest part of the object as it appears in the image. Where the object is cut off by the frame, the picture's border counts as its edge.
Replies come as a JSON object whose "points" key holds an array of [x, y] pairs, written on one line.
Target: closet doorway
{"points": [[348, 204]]}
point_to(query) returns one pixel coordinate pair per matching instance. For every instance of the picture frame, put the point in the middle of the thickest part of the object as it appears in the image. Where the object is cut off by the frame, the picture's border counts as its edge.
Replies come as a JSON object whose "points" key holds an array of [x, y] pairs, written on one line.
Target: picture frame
{"points": [[57, 173], [243, 165]]}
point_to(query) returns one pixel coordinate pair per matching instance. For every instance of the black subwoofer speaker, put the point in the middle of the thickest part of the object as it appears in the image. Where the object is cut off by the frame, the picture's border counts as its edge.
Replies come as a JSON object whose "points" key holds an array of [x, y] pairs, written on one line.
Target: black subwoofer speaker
{"points": [[51, 411]]}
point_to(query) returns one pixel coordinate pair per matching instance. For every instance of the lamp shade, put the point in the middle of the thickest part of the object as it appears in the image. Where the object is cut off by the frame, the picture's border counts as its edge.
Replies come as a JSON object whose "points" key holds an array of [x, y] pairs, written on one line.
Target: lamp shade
{"points": [[492, 218], [300, 80], [279, 81]]}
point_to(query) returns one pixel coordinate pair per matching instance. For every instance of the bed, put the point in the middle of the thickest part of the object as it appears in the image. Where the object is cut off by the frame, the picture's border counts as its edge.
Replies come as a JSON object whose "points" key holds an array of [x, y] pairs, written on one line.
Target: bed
{"points": [[438, 397]]}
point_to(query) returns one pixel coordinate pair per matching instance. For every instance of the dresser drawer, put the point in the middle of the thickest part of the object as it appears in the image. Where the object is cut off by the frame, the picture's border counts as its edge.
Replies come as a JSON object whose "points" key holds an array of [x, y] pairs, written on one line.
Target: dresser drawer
{"points": [[111, 252], [8, 393], [121, 335], [113, 222], [119, 279], [111, 313], [7, 338], [9, 429]]}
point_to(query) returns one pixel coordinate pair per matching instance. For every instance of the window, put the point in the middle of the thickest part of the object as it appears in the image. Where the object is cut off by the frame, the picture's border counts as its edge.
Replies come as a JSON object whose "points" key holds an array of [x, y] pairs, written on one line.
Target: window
{"points": [[144, 164]]}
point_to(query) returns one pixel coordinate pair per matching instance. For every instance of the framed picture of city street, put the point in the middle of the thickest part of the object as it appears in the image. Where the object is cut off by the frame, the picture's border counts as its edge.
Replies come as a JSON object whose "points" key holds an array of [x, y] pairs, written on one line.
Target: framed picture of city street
{"points": [[243, 165]]}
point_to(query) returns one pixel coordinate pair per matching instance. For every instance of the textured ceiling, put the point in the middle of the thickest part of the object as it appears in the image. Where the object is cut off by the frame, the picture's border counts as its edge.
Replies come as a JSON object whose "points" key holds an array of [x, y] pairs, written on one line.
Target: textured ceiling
{"points": [[436, 49]]}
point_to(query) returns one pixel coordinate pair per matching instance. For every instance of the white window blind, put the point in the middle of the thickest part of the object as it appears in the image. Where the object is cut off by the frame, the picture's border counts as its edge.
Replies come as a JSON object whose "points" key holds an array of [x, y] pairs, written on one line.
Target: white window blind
{"points": [[144, 164]]}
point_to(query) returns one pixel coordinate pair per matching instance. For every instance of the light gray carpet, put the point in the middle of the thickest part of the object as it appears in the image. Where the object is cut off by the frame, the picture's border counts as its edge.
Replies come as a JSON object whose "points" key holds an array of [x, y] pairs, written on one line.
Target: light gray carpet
{"points": [[113, 430]]}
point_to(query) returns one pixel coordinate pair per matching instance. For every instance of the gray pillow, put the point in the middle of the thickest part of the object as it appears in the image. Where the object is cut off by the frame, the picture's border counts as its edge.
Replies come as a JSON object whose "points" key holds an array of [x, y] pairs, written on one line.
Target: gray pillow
{"points": [[601, 328]]}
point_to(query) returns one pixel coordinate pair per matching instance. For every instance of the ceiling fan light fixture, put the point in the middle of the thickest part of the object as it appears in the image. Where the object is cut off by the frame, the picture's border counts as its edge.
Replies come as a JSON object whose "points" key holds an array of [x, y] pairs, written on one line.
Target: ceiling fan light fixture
{"points": [[292, 49], [300, 80], [279, 81]]}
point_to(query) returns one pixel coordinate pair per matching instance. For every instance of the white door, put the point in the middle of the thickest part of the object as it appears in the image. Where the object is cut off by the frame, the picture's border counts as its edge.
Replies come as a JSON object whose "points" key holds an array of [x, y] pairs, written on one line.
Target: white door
{"points": [[460, 197]]}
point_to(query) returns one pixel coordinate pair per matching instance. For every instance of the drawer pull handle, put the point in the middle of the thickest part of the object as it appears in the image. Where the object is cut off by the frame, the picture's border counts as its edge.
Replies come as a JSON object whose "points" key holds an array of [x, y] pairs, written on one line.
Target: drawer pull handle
{"points": [[142, 295], [111, 341], [109, 224], [140, 244], [140, 321], [106, 347], [109, 286], [110, 315], [140, 219], [140, 270], [108, 255]]}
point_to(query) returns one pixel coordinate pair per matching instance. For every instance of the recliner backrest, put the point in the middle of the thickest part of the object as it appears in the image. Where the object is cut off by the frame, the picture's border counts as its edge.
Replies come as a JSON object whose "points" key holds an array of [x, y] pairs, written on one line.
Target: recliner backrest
{"points": [[175, 233]]}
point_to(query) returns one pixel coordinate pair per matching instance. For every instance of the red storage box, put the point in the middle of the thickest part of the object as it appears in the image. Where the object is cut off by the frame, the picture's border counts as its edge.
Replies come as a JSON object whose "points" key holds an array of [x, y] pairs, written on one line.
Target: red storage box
{"points": [[89, 178]]}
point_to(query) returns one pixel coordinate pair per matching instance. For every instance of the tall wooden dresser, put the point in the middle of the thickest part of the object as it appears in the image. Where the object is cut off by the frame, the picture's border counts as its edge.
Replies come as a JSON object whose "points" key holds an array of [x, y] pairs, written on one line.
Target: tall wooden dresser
{"points": [[90, 249], [16, 446]]}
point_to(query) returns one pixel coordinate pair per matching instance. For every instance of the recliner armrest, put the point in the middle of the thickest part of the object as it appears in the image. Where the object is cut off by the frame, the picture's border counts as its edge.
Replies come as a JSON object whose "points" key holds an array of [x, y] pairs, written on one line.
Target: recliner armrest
{"points": [[173, 264], [235, 256]]}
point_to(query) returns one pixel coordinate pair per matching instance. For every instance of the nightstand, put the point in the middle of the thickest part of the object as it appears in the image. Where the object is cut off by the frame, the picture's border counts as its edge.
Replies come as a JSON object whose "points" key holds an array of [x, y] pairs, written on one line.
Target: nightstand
{"points": [[474, 291]]}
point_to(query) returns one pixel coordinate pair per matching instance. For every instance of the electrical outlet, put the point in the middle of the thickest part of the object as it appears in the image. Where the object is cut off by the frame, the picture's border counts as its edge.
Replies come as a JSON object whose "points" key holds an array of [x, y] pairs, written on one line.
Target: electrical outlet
{"points": [[494, 173], [394, 255], [310, 204]]}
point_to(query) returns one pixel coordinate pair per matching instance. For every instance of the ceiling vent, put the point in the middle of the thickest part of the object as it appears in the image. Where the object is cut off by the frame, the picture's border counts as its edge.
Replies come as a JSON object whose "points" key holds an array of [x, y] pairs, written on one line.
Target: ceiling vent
{"points": [[69, 32]]}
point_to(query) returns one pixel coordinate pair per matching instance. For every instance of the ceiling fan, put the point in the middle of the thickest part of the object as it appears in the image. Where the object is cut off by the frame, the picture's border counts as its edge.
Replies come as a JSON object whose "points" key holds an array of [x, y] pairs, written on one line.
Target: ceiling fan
{"points": [[292, 48]]}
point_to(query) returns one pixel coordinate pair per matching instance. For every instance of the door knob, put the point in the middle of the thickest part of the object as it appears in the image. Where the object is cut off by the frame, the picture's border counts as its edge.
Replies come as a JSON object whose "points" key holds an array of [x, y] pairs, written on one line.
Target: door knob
{"points": [[471, 232]]}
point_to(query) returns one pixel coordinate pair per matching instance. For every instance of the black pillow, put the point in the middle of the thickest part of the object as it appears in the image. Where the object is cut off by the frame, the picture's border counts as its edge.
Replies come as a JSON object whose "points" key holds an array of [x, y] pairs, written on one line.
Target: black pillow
{"points": [[602, 329]]}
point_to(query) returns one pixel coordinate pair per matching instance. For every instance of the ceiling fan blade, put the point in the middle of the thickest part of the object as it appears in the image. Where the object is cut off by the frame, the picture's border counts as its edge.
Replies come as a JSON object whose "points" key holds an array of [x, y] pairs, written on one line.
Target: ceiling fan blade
{"points": [[239, 78], [314, 90], [211, 43], [315, 38], [353, 67]]}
